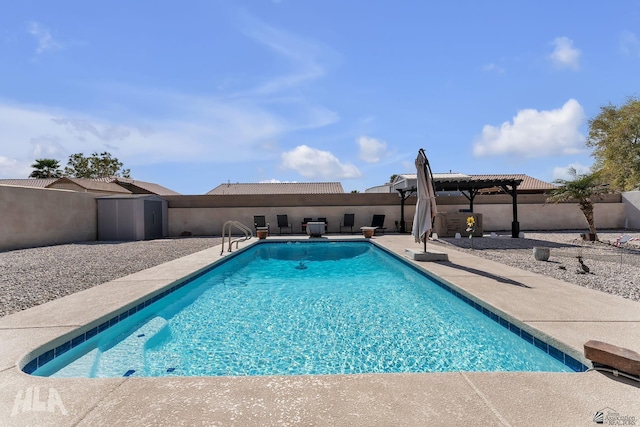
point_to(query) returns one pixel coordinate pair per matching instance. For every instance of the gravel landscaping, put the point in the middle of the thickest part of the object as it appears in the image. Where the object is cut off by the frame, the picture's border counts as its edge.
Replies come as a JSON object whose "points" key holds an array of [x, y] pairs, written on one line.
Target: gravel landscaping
{"points": [[29, 277], [611, 269]]}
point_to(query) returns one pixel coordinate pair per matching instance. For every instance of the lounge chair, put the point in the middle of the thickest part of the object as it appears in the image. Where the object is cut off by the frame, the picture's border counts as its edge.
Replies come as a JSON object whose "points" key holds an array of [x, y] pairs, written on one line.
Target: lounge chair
{"points": [[260, 221], [378, 222], [348, 221], [283, 222]]}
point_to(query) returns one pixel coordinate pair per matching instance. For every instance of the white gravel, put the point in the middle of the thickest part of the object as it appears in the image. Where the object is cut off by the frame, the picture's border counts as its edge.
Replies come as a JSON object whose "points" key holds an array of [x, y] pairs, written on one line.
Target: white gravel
{"points": [[29, 277], [615, 270]]}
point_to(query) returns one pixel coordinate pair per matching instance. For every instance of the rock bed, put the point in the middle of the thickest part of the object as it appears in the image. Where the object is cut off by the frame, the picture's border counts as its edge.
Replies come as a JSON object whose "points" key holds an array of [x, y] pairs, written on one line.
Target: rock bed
{"points": [[615, 270], [29, 277]]}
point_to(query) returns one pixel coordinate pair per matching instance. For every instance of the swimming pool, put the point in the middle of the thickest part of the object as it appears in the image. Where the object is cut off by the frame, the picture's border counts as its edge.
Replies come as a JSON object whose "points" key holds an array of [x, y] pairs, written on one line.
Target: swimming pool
{"points": [[303, 308]]}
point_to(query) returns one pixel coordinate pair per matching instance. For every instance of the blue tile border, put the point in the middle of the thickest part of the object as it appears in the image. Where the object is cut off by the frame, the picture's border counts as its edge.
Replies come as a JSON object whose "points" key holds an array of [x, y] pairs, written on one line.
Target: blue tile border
{"points": [[51, 354], [554, 352]]}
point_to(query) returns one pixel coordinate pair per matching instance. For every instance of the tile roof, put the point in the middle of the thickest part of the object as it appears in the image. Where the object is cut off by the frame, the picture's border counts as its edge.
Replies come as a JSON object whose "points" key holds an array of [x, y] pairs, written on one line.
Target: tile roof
{"points": [[278, 188], [29, 182], [92, 185], [138, 187], [116, 184]]}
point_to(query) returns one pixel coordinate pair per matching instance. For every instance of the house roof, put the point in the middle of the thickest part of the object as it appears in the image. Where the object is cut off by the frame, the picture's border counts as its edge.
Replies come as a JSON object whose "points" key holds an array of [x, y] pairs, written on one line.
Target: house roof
{"points": [[92, 185], [116, 184], [29, 182], [278, 188], [143, 187]]}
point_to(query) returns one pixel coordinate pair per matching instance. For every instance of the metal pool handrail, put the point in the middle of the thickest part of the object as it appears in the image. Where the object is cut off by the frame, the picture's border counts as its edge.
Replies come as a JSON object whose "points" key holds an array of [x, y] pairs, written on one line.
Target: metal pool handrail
{"points": [[248, 233]]}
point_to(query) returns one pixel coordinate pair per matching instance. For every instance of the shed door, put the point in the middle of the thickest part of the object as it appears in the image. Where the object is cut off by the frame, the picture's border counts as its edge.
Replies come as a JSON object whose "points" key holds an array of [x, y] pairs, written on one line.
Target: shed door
{"points": [[152, 219]]}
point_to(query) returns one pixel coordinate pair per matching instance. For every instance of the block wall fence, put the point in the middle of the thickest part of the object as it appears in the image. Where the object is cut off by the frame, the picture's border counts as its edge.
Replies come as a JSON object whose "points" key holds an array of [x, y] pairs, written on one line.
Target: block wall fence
{"points": [[31, 217]]}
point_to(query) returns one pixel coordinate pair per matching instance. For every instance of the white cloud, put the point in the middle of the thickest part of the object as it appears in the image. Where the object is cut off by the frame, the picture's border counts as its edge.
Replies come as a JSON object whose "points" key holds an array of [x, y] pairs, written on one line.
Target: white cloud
{"points": [[305, 57], [535, 133], [629, 44], [493, 68], [275, 181], [562, 172], [408, 166], [313, 163], [371, 149], [196, 133], [12, 168], [80, 127], [43, 37], [174, 126], [565, 55]]}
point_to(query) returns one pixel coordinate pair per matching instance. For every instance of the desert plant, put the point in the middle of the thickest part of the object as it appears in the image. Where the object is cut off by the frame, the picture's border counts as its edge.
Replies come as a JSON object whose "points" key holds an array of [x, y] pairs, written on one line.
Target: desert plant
{"points": [[582, 188]]}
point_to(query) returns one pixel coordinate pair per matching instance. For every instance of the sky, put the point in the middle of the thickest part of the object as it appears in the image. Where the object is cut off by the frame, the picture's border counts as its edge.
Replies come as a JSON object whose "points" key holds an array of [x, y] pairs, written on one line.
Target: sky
{"points": [[194, 94]]}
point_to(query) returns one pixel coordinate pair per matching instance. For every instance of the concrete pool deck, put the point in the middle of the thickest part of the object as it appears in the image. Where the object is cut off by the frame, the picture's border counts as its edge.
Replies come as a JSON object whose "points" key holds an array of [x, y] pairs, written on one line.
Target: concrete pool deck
{"points": [[565, 314]]}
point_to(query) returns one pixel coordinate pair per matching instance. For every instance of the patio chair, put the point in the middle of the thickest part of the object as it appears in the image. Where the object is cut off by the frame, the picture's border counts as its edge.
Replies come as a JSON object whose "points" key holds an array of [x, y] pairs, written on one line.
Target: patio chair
{"points": [[283, 222], [326, 224], [260, 221], [304, 224], [378, 222], [348, 221]]}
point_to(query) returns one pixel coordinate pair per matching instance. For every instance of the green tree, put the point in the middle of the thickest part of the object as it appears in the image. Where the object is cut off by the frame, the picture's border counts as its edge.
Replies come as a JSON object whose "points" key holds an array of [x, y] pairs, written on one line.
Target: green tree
{"points": [[582, 188], [392, 178], [46, 168], [615, 136], [96, 166]]}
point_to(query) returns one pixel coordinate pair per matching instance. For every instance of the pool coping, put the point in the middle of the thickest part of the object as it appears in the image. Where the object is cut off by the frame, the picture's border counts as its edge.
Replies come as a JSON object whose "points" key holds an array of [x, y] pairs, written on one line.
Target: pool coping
{"points": [[566, 355], [56, 321]]}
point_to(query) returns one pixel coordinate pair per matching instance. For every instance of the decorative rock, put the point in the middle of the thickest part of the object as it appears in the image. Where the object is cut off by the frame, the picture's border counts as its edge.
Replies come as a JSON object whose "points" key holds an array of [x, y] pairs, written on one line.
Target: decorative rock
{"points": [[458, 235], [615, 357], [541, 254]]}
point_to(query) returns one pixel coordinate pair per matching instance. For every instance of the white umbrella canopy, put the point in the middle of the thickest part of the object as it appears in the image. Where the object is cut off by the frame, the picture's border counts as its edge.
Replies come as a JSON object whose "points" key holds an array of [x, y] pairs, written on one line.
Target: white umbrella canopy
{"points": [[426, 206]]}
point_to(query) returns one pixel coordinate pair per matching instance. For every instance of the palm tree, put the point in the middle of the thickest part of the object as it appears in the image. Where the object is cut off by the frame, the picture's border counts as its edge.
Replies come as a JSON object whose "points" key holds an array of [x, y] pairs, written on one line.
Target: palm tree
{"points": [[46, 168], [583, 188]]}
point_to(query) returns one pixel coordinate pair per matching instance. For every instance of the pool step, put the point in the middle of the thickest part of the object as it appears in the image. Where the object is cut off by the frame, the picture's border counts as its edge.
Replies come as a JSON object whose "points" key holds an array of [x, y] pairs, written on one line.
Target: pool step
{"points": [[130, 349]]}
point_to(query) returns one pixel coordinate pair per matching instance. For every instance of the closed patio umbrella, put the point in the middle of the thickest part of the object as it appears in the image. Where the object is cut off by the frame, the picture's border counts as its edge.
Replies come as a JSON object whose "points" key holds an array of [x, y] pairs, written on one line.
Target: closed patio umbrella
{"points": [[426, 205]]}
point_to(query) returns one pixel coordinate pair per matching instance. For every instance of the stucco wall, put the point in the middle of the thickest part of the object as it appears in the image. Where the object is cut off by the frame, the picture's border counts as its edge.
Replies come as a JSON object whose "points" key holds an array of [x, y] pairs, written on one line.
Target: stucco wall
{"points": [[37, 217], [631, 201], [33, 217], [205, 215]]}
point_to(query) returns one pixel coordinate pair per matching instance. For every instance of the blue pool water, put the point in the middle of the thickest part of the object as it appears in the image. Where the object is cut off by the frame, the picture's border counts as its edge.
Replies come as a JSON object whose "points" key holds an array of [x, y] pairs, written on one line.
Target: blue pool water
{"points": [[303, 308]]}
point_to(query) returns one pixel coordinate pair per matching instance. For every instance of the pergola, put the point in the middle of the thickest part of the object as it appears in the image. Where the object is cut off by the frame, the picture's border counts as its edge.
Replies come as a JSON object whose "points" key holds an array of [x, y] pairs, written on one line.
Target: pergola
{"points": [[470, 188]]}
